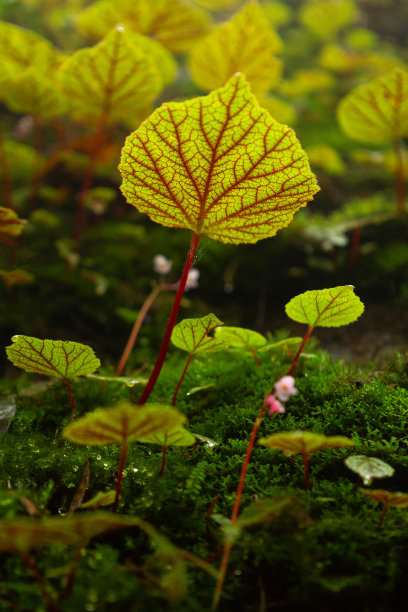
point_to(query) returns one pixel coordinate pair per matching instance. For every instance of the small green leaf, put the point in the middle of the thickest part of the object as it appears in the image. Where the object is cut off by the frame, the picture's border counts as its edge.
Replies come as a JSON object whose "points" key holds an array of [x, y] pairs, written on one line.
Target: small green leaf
{"points": [[303, 442], [377, 111], [263, 510], [102, 498], [129, 381], [191, 335], [326, 307], [58, 358], [218, 165], [369, 467], [123, 424], [33, 93], [116, 77], [239, 336], [174, 23], [387, 498], [281, 344], [10, 224], [174, 437], [246, 43]]}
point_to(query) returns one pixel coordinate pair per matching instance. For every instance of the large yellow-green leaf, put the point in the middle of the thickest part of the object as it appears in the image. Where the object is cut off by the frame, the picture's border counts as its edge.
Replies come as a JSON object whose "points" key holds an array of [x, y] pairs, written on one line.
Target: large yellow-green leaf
{"points": [[191, 335], [218, 165], [123, 424], [175, 437], [33, 93], [57, 358], [176, 24], [369, 467], [10, 224], [244, 44], [326, 307], [325, 17], [303, 442], [239, 336], [387, 498], [377, 111], [116, 77], [21, 49]]}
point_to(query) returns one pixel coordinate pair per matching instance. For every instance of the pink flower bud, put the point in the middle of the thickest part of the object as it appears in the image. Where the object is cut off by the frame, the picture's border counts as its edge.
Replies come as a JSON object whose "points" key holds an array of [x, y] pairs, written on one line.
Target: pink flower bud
{"points": [[284, 388], [161, 264], [275, 407]]}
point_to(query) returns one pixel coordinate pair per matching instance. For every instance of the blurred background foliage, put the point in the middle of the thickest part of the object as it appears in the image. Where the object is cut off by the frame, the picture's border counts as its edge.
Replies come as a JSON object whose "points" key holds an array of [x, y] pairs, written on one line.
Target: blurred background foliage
{"points": [[81, 264]]}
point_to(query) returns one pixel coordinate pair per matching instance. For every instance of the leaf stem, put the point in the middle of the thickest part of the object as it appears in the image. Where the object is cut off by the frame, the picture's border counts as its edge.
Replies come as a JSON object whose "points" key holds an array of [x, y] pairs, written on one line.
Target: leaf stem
{"points": [[122, 464], [39, 579], [172, 320], [382, 517], [237, 503], [302, 346], [36, 167], [255, 356], [72, 571], [399, 176], [5, 175], [71, 397], [138, 324], [189, 358], [214, 502], [163, 463]]}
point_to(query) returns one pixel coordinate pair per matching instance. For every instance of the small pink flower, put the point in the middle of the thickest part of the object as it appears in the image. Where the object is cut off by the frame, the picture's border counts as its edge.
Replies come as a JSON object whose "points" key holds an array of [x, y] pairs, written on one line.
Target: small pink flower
{"points": [[161, 264], [192, 279], [275, 407], [285, 387]]}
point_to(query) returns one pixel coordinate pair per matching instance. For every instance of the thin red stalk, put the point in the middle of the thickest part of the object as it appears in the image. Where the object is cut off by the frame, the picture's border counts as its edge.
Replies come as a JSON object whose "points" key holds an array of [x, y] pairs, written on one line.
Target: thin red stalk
{"points": [[35, 572], [36, 169], [196, 445], [302, 346], [71, 397], [382, 517], [172, 320], [306, 466], [292, 464], [80, 213], [255, 356], [355, 246], [72, 571], [136, 327], [214, 502], [399, 176], [122, 464], [5, 175], [164, 453], [189, 358], [237, 504]]}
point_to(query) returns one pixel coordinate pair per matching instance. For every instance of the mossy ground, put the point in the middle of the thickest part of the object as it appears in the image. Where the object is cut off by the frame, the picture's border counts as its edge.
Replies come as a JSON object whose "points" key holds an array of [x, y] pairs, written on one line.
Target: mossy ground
{"points": [[322, 554]]}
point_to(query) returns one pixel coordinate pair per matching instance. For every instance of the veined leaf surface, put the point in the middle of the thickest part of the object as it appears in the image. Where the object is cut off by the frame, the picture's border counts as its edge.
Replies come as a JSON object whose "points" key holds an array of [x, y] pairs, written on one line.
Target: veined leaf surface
{"points": [[52, 357], [218, 165], [20, 48], [369, 467], [176, 24], [246, 43], [326, 307], [377, 111], [123, 424], [387, 498], [33, 93], [116, 77], [10, 224], [175, 437], [191, 335], [303, 442], [239, 336]]}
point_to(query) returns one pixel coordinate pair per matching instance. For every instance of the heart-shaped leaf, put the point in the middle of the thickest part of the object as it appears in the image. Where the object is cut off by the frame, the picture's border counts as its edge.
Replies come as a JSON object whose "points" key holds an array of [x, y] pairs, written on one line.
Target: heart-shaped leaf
{"points": [[116, 77], [10, 224], [123, 424], [175, 437], [239, 336], [303, 442], [387, 498], [244, 44], [191, 335], [174, 23], [377, 111], [326, 307], [263, 510], [58, 358], [218, 165], [33, 93], [20, 49], [369, 467]]}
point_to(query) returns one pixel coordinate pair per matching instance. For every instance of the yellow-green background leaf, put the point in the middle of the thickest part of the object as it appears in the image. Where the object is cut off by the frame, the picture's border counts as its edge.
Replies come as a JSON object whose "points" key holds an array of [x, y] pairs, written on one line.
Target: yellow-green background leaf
{"points": [[326, 307], [239, 336], [303, 442], [191, 335]]}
